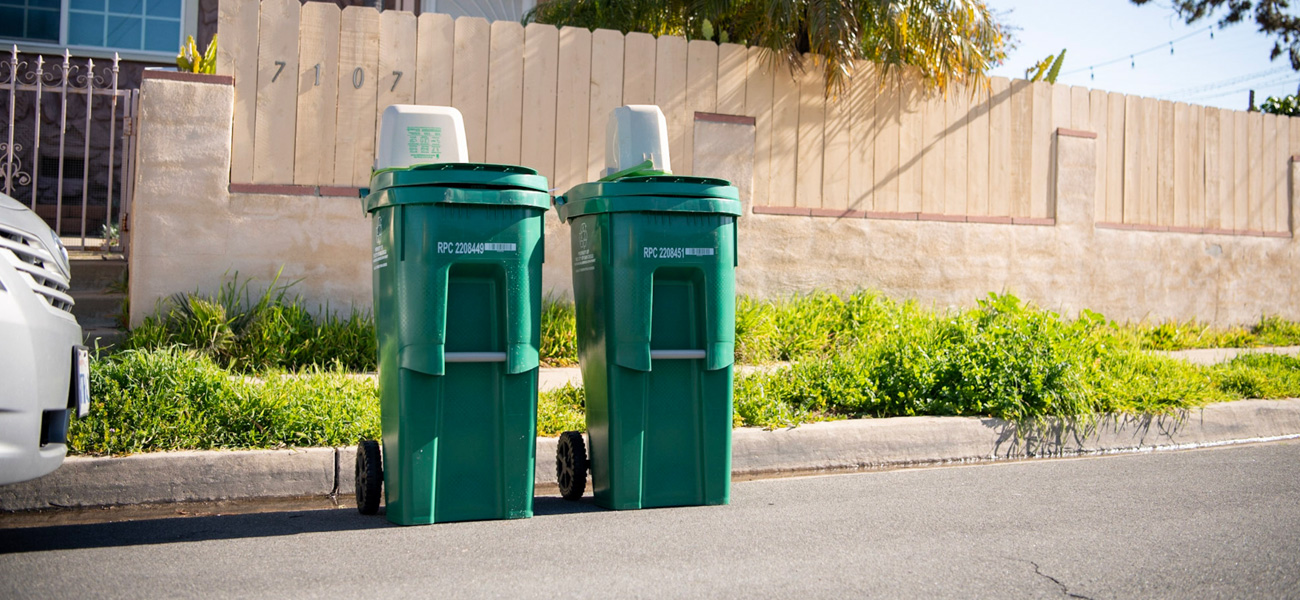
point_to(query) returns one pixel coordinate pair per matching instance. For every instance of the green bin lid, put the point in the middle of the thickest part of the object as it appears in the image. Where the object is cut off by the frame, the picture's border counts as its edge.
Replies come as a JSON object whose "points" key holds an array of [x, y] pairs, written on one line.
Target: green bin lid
{"points": [[655, 193], [463, 183]]}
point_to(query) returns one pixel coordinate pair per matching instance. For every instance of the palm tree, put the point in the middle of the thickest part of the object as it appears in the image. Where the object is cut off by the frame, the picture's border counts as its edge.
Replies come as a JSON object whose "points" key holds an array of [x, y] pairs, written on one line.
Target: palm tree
{"points": [[947, 41]]}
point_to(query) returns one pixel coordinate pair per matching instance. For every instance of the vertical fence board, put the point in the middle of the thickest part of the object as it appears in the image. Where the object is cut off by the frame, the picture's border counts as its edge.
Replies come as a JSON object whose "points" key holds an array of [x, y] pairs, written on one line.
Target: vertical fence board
{"points": [[1227, 167], [318, 66], [639, 69], [1133, 143], [758, 104], [275, 125], [1062, 106], [811, 135], [954, 138], [785, 137], [911, 126], [978, 153], [1241, 171], [237, 56], [888, 117], [1021, 125], [435, 44], [1181, 155], [505, 93], [606, 94], [358, 62], [835, 166], [670, 95], [1150, 156], [1196, 190], [1000, 147], [934, 119], [572, 99], [1268, 210], [863, 129], [1116, 127], [1255, 149], [469, 81], [1165, 176], [397, 64], [701, 92], [1098, 121], [1282, 162], [1041, 161], [1081, 112], [731, 79], [541, 61], [1213, 156]]}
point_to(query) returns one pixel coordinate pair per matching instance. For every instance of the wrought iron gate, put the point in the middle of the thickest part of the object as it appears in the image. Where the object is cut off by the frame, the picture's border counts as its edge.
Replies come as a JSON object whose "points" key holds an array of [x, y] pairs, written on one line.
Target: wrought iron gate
{"points": [[67, 148]]}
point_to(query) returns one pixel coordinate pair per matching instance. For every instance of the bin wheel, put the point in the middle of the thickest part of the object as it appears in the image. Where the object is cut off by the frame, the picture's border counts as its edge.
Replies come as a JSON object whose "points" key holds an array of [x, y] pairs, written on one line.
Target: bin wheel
{"points": [[370, 477], [571, 465]]}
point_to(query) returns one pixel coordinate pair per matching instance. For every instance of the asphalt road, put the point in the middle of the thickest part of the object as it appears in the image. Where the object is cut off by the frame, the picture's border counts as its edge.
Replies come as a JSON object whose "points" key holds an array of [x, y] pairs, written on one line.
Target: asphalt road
{"points": [[1211, 523]]}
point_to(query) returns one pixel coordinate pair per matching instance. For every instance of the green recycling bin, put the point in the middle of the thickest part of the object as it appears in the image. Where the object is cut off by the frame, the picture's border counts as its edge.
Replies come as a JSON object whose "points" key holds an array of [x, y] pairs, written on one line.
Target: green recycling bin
{"points": [[654, 262], [457, 267]]}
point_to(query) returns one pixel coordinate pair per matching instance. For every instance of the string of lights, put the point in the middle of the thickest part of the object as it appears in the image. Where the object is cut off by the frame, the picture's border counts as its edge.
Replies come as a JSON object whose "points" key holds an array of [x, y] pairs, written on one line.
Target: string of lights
{"points": [[1131, 57]]}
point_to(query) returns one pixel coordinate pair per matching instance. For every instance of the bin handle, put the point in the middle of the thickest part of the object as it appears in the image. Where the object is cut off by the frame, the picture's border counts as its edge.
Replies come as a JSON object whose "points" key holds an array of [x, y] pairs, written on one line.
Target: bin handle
{"points": [[676, 354], [474, 357]]}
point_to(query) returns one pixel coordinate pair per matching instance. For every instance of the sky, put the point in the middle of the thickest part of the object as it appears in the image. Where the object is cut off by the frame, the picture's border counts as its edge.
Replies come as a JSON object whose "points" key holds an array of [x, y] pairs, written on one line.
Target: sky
{"points": [[1216, 71]]}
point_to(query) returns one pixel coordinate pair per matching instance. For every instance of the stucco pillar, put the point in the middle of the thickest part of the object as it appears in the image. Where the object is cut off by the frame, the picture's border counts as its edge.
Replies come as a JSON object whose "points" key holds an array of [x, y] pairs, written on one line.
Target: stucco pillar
{"points": [[1076, 180], [179, 214]]}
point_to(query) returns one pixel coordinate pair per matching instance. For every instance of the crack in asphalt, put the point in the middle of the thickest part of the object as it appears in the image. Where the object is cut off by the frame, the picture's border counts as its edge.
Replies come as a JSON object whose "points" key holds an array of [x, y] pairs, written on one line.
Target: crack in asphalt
{"points": [[1064, 589]]}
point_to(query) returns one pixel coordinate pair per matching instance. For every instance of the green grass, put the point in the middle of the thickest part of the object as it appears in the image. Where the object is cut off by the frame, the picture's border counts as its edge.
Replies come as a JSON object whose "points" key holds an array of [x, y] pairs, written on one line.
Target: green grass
{"points": [[276, 330], [272, 331], [1185, 335], [173, 399], [180, 383]]}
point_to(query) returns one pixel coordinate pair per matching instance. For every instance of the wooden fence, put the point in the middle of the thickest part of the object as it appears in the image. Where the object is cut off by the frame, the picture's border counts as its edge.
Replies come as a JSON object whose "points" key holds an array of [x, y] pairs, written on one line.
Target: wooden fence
{"points": [[311, 80]]}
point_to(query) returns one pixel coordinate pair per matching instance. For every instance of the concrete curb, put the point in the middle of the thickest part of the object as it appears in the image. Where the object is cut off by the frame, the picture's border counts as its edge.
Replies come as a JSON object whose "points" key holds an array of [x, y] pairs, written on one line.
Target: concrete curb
{"points": [[862, 444]]}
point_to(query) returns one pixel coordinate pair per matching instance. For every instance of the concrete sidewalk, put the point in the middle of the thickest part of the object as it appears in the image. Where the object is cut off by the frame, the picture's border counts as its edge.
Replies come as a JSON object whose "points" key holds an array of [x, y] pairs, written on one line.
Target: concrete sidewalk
{"points": [[862, 444]]}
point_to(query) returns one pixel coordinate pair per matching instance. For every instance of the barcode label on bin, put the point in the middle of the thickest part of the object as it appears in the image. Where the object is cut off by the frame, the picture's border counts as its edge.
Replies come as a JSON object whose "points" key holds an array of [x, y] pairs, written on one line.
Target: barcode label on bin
{"points": [[474, 247], [657, 252]]}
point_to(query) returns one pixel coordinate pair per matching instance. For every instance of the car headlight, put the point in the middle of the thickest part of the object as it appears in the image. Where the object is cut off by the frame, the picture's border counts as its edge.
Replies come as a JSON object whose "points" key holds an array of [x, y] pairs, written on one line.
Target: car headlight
{"points": [[63, 254]]}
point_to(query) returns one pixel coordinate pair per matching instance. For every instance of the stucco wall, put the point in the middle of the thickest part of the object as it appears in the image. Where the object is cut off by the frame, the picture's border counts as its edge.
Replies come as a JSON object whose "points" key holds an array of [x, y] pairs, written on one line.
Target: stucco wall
{"points": [[189, 231]]}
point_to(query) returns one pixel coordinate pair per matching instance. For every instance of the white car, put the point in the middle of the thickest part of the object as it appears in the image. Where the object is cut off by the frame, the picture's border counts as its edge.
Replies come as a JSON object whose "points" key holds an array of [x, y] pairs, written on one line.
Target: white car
{"points": [[44, 369]]}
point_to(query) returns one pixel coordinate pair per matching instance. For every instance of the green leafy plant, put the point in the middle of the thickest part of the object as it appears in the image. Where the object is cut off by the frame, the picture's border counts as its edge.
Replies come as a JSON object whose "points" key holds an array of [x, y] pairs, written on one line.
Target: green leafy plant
{"points": [[1047, 69], [1281, 105], [948, 42], [190, 61], [273, 331], [173, 399]]}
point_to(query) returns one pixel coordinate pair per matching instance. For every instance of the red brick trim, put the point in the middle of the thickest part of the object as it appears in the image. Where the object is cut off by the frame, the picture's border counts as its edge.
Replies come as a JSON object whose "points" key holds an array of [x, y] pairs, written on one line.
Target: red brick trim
{"points": [[1250, 232], [1295, 158], [941, 217], [721, 118], [782, 210], [1277, 234], [1120, 226], [1186, 230], [837, 213], [893, 216], [276, 189], [1218, 231], [327, 190], [989, 220], [1041, 222], [1089, 135], [188, 77]]}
